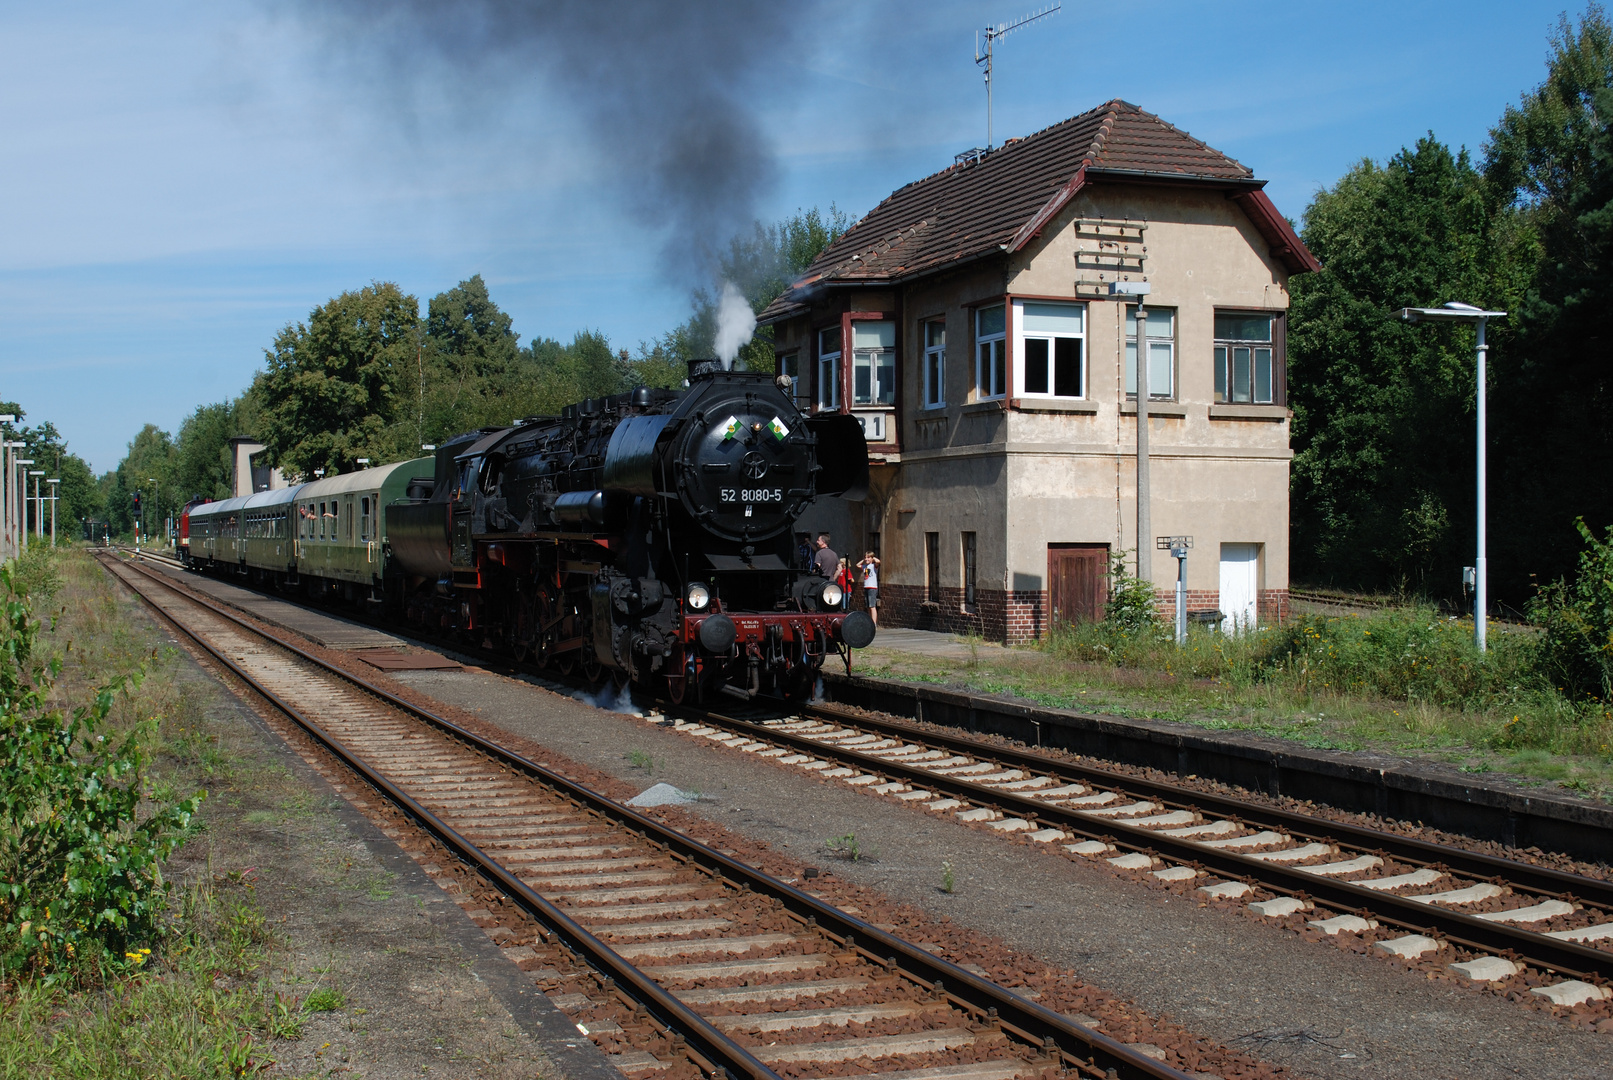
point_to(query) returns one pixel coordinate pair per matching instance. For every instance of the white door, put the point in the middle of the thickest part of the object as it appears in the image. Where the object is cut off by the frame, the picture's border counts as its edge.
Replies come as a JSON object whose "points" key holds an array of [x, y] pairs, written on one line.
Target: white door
{"points": [[1240, 564]]}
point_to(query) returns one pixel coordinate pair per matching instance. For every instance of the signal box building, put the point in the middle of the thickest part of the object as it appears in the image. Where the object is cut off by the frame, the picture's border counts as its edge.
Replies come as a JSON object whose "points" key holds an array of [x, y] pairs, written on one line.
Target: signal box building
{"points": [[968, 323]]}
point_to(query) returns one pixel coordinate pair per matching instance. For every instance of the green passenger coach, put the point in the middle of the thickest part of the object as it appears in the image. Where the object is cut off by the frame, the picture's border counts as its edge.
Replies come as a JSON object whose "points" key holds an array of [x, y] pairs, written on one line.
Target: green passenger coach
{"points": [[340, 523]]}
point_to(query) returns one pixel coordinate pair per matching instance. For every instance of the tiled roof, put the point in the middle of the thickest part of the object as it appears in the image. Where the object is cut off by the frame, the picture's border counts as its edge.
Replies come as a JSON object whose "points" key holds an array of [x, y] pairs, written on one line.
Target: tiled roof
{"points": [[977, 208]]}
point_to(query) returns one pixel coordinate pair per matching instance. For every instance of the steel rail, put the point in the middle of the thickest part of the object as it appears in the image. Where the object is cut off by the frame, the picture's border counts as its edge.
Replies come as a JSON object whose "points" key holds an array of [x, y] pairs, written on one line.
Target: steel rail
{"points": [[1033, 1023], [707, 1041], [1479, 934], [1537, 879]]}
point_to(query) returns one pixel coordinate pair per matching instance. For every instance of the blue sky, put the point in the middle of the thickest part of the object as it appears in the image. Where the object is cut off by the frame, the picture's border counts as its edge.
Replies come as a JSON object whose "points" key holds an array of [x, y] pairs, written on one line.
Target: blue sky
{"points": [[181, 180]]}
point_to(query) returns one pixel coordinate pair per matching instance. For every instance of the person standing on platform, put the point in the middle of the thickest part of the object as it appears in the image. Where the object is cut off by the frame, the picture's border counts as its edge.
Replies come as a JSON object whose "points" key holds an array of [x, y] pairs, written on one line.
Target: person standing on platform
{"points": [[870, 568], [827, 560], [843, 579]]}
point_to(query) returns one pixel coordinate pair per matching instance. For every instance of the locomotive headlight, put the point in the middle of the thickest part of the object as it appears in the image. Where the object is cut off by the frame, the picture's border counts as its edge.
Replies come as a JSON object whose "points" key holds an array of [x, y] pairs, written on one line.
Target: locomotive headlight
{"points": [[699, 597], [831, 595]]}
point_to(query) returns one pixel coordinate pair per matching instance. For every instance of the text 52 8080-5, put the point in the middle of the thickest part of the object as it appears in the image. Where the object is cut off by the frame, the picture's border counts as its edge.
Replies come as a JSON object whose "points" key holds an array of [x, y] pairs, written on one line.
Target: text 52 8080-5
{"points": [[752, 495]]}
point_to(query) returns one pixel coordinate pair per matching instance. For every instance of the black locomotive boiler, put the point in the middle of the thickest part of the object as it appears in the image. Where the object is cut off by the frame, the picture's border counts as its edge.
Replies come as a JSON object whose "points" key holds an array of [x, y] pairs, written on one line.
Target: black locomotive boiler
{"points": [[645, 536]]}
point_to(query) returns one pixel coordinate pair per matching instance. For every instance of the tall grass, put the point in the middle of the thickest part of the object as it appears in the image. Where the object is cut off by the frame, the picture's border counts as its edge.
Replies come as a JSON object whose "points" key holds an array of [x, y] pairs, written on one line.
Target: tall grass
{"points": [[1411, 656]]}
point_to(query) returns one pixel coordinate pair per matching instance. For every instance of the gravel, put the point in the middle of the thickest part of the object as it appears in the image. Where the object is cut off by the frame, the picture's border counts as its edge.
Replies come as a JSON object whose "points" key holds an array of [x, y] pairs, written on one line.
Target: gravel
{"points": [[1326, 1012]]}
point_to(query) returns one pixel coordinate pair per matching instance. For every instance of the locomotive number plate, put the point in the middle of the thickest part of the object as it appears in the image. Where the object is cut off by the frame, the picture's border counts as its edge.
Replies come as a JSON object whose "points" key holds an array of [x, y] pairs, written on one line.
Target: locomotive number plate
{"points": [[752, 495]]}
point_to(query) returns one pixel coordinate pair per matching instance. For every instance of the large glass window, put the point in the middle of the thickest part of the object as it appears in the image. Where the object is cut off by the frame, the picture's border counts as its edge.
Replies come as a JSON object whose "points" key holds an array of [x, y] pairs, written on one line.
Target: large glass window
{"points": [[829, 368], [790, 364], [873, 363], [1053, 338], [935, 363], [1161, 353], [991, 352], [1243, 359]]}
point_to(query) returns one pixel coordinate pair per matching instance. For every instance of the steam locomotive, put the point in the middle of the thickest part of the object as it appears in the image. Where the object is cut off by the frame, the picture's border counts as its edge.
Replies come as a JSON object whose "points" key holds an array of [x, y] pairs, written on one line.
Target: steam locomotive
{"points": [[643, 537]]}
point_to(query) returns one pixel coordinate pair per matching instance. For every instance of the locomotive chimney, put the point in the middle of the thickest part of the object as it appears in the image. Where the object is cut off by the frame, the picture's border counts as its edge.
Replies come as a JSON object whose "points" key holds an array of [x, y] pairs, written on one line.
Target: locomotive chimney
{"points": [[708, 365]]}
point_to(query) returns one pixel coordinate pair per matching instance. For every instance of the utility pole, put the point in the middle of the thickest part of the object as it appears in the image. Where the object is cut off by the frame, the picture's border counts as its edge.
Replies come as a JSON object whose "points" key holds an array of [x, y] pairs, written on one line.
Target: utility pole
{"points": [[1145, 527]]}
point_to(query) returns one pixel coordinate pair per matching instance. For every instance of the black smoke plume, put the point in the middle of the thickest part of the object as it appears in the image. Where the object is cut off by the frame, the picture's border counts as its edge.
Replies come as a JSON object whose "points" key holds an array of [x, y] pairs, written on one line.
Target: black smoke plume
{"points": [[664, 89]]}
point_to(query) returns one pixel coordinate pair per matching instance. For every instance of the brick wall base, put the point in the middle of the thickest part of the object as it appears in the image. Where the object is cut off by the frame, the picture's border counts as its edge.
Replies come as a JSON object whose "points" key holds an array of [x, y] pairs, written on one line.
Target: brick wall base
{"points": [[1016, 617]]}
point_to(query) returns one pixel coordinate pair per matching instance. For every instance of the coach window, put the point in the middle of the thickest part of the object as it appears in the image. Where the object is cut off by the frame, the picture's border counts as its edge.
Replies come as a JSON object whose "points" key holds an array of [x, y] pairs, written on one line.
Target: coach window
{"points": [[1052, 350], [1161, 353], [364, 519], [991, 352], [829, 368]]}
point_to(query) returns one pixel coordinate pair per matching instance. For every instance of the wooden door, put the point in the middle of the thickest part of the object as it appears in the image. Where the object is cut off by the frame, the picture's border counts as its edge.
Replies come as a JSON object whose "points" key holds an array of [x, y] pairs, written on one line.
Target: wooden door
{"points": [[1078, 581]]}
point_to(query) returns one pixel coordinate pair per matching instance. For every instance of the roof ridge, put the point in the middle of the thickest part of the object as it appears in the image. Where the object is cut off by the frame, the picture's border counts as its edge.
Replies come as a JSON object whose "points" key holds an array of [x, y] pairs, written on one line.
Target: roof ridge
{"points": [[1200, 143]]}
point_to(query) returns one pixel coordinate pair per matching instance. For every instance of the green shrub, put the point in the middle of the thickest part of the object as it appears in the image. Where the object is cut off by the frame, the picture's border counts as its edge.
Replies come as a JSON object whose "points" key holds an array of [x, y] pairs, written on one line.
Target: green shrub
{"points": [[81, 883], [1404, 654], [1131, 608], [1576, 620]]}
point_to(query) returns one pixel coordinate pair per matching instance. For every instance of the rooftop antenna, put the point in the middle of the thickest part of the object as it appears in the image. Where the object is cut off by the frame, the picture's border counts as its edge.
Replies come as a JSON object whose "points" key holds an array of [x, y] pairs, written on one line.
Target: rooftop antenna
{"points": [[992, 33]]}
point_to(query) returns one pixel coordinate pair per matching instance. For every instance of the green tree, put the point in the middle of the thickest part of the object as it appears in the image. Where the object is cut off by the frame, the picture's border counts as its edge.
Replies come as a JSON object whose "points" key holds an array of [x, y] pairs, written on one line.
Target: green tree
{"points": [[1383, 428], [149, 468], [330, 390], [1550, 166], [204, 466], [468, 365]]}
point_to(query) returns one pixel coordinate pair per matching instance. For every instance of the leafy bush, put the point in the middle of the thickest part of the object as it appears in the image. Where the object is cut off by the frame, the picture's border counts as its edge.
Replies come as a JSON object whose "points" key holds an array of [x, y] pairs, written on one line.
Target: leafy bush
{"points": [[1131, 608], [1576, 619], [81, 882], [1404, 654]]}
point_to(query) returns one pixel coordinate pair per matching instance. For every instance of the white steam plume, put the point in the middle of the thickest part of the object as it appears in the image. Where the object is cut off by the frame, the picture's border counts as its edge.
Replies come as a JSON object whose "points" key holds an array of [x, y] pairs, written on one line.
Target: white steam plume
{"points": [[736, 323]]}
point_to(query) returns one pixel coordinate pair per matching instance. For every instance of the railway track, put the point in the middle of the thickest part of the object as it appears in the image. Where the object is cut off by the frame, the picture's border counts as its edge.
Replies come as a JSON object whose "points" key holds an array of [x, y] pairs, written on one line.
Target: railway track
{"points": [[697, 963], [1508, 916]]}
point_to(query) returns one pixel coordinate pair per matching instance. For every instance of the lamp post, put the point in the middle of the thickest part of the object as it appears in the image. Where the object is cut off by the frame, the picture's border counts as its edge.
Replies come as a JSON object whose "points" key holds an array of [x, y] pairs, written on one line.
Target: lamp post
{"points": [[39, 504], [6, 516], [53, 481], [1467, 313], [1145, 527], [20, 481]]}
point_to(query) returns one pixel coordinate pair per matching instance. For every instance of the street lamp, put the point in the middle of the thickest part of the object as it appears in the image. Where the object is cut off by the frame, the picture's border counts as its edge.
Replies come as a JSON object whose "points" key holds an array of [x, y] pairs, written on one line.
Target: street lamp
{"points": [[1467, 313], [53, 481], [39, 506], [21, 483]]}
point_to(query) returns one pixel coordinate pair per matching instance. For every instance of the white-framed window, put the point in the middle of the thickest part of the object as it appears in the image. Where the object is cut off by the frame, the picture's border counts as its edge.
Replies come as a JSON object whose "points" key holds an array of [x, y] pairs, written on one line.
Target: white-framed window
{"points": [[829, 368], [873, 362], [935, 363], [1161, 353], [1050, 349], [1244, 369], [991, 352]]}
